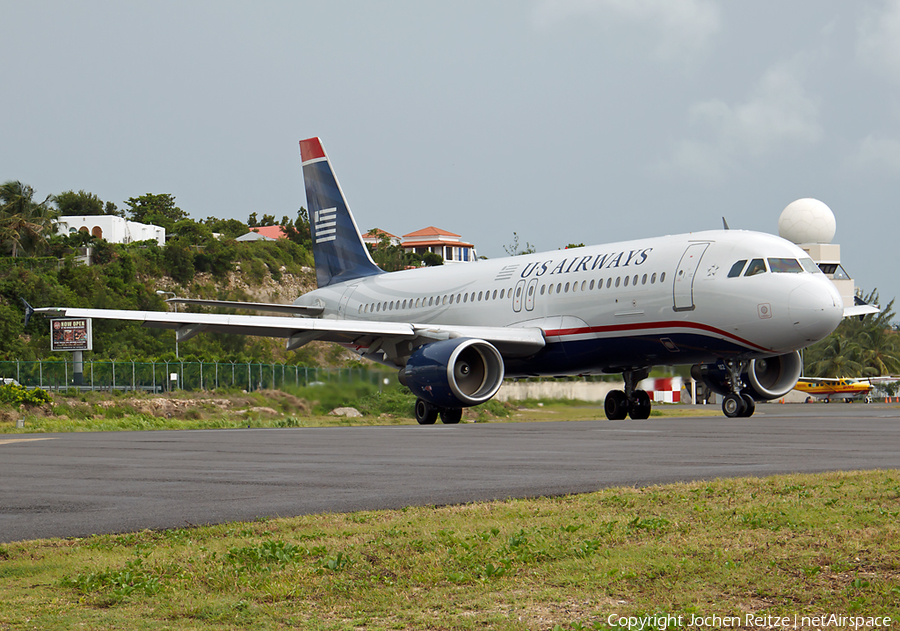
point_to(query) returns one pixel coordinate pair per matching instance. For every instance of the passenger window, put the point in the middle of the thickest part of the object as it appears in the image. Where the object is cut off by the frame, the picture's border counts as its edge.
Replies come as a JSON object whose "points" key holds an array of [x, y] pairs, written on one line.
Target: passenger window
{"points": [[737, 268], [618, 280], [626, 281], [757, 266], [653, 278], [662, 277], [785, 266]]}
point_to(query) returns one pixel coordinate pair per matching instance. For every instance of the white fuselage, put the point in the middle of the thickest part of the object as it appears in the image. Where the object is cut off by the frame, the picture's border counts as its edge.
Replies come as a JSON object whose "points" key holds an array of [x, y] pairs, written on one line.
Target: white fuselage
{"points": [[656, 301]]}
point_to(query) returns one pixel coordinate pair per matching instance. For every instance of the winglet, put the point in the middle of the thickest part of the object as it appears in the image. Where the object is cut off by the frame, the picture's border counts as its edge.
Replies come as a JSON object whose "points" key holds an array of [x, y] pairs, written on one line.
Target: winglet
{"points": [[338, 248], [29, 311]]}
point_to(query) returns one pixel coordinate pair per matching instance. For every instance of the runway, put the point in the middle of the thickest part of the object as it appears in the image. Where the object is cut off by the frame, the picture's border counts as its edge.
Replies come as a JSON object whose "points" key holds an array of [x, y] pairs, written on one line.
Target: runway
{"points": [[75, 485]]}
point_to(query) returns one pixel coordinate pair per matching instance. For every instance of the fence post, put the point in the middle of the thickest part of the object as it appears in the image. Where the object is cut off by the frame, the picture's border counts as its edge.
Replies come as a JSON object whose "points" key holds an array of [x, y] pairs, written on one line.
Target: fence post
{"points": [[132, 376], [112, 386], [41, 373], [154, 377], [92, 375], [249, 378]]}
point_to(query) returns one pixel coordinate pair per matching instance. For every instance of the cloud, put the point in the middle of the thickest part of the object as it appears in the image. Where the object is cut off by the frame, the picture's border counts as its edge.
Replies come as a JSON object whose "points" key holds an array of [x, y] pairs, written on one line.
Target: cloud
{"points": [[681, 26], [881, 155], [878, 39], [779, 114]]}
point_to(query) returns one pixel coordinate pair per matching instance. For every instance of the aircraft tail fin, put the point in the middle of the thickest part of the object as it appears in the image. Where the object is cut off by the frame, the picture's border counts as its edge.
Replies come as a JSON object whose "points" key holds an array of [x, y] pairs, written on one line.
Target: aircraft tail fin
{"points": [[338, 248]]}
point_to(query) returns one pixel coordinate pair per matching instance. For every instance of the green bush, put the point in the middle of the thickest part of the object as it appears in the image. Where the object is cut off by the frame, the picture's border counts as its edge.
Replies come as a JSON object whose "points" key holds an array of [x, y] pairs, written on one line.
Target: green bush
{"points": [[17, 395]]}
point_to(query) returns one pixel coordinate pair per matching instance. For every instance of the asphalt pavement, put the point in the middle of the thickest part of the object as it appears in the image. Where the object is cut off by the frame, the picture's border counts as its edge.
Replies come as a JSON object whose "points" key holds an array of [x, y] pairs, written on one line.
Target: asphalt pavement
{"points": [[75, 485]]}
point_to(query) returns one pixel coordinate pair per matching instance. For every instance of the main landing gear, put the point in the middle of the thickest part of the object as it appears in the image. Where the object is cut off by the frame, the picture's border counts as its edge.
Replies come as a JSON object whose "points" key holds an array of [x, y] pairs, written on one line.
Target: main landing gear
{"points": [[737, 404], [630, 402], [426, 413]]}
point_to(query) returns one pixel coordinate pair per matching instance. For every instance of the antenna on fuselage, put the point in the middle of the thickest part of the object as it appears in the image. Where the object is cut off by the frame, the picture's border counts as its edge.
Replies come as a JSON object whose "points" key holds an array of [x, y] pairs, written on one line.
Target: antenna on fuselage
{"points": [[725, 224]]}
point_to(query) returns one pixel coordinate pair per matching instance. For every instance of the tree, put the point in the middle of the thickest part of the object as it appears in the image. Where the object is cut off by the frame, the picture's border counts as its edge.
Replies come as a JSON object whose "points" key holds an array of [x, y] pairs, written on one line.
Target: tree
{"points": [[23, 222], [157, 210], [514, 249], [228, 228], [70, 203], [864, 347]]}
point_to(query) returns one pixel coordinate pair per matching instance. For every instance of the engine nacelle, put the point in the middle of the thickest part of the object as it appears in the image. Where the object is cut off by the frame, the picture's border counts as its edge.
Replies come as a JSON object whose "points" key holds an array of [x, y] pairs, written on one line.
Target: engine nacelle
{"points": [[455, 373], [765, 379]]}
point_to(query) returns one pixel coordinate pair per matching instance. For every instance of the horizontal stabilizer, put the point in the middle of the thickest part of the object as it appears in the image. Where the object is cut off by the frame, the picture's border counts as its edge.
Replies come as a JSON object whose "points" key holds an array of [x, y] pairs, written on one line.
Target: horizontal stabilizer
{"points": [[860, 310]]}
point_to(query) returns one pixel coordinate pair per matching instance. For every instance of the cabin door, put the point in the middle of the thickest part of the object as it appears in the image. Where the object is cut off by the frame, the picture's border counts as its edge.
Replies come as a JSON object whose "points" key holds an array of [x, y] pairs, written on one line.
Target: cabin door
{"points": [[684, 276]]}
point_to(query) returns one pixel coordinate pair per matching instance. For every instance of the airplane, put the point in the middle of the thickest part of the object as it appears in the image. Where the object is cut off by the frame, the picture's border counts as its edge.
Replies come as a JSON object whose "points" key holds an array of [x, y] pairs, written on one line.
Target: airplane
{"points": [[828, 388], [735, 305]]}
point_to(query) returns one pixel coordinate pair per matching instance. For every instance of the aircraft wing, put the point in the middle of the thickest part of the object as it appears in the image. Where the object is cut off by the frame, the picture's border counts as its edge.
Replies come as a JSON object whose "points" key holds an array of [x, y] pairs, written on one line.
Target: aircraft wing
{"points": [[510, 341], [300, 310]]}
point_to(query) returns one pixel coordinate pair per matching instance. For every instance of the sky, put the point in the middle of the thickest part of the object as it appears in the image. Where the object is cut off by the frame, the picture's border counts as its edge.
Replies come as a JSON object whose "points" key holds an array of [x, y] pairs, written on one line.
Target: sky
{"points": [[564, 121]]}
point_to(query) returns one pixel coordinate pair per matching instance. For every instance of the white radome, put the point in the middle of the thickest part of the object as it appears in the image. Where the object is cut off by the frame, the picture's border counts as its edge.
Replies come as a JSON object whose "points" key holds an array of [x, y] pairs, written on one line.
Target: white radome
{"points": [[807, 221]]}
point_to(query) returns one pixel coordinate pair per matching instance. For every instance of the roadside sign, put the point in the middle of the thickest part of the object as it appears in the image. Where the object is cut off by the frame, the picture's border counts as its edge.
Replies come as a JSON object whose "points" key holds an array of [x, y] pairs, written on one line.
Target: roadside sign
{"points": [[71, 334]]}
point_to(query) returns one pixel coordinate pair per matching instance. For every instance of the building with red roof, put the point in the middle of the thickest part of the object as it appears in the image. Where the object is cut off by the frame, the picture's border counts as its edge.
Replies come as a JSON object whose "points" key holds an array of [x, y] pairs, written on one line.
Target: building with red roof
{"points": [[446, 244]]}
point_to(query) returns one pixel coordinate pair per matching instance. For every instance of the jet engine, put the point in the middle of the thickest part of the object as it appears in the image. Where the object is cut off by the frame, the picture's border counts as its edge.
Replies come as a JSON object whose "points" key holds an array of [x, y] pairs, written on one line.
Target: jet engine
{"points": [[454, 373], [764, 379]]}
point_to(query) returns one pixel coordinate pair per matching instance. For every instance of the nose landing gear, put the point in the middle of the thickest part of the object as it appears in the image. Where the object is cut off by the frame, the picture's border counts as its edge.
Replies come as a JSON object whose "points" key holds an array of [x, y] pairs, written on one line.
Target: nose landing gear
{"points": [[737, 404]]}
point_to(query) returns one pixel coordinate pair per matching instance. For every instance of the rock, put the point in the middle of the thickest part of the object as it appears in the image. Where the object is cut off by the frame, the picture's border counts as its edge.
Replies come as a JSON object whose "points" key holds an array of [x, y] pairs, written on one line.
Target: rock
{"points": [[348, 412]]}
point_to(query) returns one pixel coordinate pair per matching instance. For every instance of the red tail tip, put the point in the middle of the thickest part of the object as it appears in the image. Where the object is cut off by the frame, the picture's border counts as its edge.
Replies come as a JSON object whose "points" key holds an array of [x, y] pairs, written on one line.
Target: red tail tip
{"points": [[310, 149]]}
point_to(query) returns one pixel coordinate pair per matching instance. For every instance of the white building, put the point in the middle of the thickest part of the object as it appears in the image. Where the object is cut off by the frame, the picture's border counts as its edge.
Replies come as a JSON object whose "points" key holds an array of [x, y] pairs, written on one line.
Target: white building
{"points": [[113, 229]]}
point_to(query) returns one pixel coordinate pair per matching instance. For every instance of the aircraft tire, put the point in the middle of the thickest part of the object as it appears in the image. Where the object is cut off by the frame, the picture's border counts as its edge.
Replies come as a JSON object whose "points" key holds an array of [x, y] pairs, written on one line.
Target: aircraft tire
{"points": [[749, 405], [733, 406], [451, 416], [827, 400], [426, 414], [640, 406], [616, 405]]}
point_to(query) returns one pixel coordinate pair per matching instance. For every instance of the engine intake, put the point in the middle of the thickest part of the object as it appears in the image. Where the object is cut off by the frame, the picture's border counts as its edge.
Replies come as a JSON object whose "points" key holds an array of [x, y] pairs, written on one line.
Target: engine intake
{"points": [[765, 379], [455, 373]]}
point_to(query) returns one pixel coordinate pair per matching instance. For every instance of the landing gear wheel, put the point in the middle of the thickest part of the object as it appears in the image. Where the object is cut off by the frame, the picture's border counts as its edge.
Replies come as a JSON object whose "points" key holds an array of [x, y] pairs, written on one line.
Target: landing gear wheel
{"points": [[451, 416], [749, 405], [426, 414], [827, 400], [616, 405], [733, 405], [640, 406]]}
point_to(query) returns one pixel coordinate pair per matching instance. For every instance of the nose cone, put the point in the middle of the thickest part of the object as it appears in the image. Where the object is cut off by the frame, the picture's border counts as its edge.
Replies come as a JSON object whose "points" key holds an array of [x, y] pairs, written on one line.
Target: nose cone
{"points": [[816, 309]]}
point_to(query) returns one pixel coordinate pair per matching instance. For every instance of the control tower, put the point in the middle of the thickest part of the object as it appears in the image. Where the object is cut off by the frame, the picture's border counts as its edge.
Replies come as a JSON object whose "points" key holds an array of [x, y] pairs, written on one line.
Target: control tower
{"points": [[810, 224]]}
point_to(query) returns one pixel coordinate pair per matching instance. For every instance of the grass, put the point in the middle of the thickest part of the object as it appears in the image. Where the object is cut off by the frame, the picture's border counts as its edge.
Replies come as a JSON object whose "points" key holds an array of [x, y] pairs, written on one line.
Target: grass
{"points": [[785, 545], [301, 407]]}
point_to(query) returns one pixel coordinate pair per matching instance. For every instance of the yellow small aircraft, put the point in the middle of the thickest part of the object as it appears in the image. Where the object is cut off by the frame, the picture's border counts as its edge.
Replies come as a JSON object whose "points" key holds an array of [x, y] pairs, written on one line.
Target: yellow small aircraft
{"points": [[831, 388]]}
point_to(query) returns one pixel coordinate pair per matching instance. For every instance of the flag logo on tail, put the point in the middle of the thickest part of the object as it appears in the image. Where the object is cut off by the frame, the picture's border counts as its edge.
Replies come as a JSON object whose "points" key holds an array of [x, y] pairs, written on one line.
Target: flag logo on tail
{"points": [[326, 223]]}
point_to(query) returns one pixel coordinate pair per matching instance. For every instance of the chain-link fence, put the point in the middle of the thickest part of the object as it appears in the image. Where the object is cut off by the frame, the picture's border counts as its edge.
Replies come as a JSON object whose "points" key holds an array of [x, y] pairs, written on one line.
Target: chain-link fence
{"points": [[168, 376]]}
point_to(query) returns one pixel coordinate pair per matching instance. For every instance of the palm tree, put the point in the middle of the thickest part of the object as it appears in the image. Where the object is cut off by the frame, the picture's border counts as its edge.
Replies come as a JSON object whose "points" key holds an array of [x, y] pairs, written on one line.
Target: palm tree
{"points": [[22, 220], [837, 356]]}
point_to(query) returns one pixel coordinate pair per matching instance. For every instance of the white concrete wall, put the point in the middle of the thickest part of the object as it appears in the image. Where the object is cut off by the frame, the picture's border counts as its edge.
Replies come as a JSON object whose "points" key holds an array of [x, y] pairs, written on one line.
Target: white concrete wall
{"points": [[111, 228]]}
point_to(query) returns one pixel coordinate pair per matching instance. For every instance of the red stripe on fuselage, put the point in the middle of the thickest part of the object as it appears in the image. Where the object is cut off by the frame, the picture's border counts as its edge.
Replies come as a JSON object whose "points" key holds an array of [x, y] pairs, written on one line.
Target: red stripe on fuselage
{"points": [[617, 328], [310, 149]]}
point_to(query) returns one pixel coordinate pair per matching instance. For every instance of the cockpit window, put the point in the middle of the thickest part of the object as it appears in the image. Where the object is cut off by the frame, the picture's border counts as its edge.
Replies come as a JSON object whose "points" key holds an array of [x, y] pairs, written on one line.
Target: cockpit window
{"points": [[757, 266], [809, 266], [737, 268], [785, 266]]}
